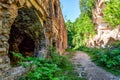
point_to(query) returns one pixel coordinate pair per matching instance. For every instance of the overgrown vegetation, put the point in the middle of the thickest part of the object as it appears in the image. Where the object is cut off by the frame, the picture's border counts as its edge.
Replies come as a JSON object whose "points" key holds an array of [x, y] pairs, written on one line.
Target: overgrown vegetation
{"points": [[86, 6], [71, 32], [58, 67], [108, 58], [55, 68], [112, 12], [83, 28]]}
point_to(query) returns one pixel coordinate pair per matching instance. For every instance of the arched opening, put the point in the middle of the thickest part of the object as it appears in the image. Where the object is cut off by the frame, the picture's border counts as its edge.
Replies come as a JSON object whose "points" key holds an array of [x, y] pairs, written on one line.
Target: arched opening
{"points": [[20, 43], [23, 34], [26, 34]]}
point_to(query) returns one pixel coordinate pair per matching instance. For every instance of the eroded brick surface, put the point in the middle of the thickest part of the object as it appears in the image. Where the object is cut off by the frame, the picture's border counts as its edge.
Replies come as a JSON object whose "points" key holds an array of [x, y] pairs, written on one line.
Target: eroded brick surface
{"points": [[52, 30]]}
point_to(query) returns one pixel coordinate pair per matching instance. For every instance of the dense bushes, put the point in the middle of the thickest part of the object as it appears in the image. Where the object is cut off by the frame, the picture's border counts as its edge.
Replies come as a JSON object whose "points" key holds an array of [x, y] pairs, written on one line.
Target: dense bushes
{"points": [[80, 31], [40, 68], [112, 12], [108, 58], [70, 32], [83, 28], [55, 68], [86, 6]]}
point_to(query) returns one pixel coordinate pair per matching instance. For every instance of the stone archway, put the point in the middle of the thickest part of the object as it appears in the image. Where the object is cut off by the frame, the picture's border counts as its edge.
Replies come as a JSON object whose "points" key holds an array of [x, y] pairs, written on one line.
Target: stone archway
{"points": [[20, 43], [8, 14], [25, 34], [41, 20]]}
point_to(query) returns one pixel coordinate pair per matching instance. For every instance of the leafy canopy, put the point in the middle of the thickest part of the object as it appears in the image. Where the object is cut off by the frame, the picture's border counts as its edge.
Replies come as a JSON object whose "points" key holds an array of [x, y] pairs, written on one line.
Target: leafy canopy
{"points": [[112, 12]]}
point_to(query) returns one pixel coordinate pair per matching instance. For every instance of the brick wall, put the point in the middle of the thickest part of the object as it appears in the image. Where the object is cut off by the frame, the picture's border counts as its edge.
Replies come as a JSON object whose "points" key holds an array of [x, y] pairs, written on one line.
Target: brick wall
{"points": [[53, 31]]}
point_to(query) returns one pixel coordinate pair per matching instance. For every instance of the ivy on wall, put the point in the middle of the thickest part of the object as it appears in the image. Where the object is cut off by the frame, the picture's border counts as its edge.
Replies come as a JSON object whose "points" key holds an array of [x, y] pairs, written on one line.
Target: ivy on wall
{"points": [[112, 12]]}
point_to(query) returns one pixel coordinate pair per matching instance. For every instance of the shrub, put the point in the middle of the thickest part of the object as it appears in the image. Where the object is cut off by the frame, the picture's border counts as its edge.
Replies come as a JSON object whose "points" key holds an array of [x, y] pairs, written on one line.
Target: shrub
{"points": [[108, 57], [112, 12], [55, 68]]}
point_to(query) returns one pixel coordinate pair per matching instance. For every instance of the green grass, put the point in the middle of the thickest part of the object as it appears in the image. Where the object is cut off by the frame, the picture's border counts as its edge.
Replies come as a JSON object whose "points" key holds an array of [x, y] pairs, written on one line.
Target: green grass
{"points": [[72, 75], [115, 72], [55, 68], [106, 58]]}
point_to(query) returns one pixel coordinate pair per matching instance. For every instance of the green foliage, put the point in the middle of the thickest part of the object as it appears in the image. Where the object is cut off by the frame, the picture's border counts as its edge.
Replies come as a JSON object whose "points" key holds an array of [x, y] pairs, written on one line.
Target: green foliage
{"points": [[86, 6], [70, 32], [55, 68], [61, 61], [40, 69], [80, 31], [83, 28], [108, 58], [112, 12]]}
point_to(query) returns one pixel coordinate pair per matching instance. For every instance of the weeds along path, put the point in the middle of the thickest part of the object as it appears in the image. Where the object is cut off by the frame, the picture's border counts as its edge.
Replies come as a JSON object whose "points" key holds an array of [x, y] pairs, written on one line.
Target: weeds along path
{"points": [[86, 68]]}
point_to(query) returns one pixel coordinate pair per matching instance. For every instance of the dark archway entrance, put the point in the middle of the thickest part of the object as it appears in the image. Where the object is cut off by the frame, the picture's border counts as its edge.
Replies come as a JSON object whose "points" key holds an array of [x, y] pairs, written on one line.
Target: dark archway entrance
{"points": [[23, 34], [20, 43], [26, 47]]}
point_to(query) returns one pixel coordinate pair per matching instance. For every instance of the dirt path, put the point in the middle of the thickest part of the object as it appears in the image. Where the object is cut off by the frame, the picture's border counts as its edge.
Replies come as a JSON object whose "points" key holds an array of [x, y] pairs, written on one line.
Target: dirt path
{"points": [[86, 68]]}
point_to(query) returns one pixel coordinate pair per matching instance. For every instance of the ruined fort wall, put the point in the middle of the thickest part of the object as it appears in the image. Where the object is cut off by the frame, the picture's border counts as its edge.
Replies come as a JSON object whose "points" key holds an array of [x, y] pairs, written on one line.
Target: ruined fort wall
{"points": [[52, 28]]}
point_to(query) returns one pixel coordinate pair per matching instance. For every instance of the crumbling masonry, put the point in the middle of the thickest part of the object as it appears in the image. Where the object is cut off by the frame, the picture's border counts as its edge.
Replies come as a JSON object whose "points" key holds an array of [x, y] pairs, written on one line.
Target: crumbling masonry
{"points": [[29, 27]]}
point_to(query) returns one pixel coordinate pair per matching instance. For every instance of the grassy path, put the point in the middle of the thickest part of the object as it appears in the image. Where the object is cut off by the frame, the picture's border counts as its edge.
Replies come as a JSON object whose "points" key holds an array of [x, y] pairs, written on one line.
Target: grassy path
{"points": [[86, 68]]}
